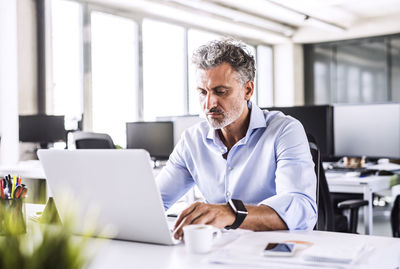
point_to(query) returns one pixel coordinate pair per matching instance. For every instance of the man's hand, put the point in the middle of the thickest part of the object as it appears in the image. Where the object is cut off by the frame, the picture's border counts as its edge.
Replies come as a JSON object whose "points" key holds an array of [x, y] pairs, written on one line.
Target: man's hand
{"points": [[202, 213], [259, 218]]}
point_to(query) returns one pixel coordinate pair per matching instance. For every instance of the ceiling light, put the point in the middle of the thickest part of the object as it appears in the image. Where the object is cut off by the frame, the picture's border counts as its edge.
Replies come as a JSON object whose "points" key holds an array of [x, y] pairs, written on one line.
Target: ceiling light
{"points": [[237, 16]]}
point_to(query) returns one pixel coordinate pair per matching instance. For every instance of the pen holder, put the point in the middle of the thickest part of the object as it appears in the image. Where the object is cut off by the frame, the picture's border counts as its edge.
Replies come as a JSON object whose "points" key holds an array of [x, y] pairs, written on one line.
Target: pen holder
{"points": [[12, 216]]}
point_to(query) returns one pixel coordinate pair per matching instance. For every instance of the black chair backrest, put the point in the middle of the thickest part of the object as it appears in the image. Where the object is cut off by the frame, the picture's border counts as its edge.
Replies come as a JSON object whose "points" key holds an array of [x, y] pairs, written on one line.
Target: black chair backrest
{"points": [[88, 140], [395, 217], [326, 219], [93, 143]]}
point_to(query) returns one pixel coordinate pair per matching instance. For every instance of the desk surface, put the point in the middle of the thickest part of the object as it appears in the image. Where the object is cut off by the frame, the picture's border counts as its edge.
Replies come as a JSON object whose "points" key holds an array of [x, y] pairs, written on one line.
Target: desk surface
{"points": [[121, 254], [25, 169], [376, 183]]}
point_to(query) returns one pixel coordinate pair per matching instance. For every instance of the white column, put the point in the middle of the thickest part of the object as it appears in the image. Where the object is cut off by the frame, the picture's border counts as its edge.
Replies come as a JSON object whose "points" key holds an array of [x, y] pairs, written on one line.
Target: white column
{"points": [[9, 150], [288, 75]]}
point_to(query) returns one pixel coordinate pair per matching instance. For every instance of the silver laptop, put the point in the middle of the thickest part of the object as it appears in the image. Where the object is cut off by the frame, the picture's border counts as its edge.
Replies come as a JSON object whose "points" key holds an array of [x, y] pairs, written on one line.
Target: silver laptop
{"points": [[118, 184]]}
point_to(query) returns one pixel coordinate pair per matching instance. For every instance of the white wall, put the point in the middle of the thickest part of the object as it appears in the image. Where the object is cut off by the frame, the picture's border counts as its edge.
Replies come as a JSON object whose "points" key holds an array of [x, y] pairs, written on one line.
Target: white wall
{"points": [[27, 56], [9, 150], [288, 75]]}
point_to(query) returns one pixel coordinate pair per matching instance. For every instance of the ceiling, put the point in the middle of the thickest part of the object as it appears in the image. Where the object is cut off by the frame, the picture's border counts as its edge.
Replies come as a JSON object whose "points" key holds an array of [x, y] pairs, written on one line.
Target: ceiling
{"points": [[274, 21]]}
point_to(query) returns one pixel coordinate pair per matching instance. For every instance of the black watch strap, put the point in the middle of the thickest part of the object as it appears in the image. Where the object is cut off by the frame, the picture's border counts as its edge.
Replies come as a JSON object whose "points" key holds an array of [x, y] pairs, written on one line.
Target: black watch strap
{"points": [[240, 212]]}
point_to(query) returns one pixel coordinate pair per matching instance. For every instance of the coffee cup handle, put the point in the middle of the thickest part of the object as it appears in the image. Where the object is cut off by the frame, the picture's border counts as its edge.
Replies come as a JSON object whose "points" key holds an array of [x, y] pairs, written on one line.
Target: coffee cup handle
{"points": [[217, 233]]}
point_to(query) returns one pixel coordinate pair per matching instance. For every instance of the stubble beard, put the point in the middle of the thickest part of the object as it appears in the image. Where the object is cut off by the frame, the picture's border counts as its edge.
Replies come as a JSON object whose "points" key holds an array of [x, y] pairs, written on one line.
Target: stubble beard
{"points": [[228, 116]]}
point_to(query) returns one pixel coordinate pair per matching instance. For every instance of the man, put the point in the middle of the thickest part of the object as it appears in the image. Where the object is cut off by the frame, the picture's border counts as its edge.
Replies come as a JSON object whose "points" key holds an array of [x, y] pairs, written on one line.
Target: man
{"points": [[243, 158]]}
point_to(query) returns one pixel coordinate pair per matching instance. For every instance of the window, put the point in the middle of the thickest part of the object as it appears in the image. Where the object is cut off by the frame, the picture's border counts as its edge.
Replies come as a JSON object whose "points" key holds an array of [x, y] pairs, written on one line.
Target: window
{"points": [[361, 71], [164, 69], [395, 69], [353, 71], [120, 63], [114, 74], [264, 77], [66, 41]]}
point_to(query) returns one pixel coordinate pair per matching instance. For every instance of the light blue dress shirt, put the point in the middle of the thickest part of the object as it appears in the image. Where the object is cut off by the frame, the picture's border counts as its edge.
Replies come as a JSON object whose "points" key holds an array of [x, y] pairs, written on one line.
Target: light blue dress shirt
{"points": [[271, 165]]}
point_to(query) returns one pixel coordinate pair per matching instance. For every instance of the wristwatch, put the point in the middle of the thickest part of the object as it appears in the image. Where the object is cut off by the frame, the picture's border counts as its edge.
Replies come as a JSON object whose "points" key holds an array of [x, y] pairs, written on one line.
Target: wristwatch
{"points": [[239, 210]]}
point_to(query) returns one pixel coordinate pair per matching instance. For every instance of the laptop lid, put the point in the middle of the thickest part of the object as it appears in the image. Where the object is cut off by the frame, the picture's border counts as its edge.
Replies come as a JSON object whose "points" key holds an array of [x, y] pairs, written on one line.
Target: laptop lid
{"points": [[118, 184]]}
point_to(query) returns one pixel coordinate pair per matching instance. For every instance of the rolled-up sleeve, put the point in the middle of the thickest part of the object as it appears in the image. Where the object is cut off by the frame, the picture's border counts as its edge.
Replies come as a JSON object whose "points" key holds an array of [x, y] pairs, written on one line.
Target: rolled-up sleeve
{"points": [[295, 179], [174, 180]]}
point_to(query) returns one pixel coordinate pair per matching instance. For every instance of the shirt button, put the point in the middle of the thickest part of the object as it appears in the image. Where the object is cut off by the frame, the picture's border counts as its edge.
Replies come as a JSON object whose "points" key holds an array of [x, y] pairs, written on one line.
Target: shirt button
{"points": [[222, 150], [228, 194], [230, 168]]}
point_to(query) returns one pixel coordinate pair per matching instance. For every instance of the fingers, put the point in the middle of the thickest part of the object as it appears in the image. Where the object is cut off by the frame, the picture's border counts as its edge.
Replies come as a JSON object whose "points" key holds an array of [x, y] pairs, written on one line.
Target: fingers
{"points": [[185, 213], [188, 216], [201, 213]]}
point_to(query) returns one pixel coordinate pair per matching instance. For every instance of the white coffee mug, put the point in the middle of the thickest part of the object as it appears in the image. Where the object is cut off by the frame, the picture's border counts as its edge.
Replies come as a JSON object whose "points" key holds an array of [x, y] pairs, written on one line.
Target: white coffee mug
{"points": [[199, 237]]}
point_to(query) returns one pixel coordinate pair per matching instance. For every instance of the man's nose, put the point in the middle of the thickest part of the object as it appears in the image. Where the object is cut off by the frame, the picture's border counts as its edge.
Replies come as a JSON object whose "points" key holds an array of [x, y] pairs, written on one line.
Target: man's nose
{"points": [[211, 101]]}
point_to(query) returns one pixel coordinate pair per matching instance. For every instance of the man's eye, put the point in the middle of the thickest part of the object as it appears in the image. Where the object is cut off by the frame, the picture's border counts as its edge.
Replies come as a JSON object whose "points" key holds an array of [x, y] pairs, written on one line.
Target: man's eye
{"points": [[202, 92], [219, 92]]}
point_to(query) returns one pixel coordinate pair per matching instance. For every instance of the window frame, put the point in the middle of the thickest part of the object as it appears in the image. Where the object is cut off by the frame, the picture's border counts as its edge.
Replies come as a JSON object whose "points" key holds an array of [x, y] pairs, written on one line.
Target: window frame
{"points": [[309, 60], [137, 17]]}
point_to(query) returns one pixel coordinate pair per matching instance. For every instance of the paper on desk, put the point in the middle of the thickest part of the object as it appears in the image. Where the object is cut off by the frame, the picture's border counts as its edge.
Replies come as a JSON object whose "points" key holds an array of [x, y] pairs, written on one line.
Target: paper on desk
{"points": [[385, 166], [247, 251], [333, 253]]}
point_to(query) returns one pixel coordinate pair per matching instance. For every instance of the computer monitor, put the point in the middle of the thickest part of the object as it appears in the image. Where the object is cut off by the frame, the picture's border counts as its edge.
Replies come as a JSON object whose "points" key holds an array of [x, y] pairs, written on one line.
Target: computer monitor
{"points": [[317, 121], [371, 130], [181, 123], [43, 129], [156, 137]]}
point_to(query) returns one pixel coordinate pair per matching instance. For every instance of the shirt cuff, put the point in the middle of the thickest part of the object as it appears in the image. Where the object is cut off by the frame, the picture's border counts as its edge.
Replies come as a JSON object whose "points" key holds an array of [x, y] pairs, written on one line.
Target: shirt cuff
{"points": [[297, 210]]}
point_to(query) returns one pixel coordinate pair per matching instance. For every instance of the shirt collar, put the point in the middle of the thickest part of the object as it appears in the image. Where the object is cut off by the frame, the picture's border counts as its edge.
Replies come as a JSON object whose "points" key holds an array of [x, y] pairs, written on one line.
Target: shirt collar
{"points": [[257, 120]]}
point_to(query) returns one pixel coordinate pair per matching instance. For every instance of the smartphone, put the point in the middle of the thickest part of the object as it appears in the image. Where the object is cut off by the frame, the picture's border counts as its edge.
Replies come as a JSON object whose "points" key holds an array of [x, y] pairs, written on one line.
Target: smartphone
{"points": [[279, 249]]}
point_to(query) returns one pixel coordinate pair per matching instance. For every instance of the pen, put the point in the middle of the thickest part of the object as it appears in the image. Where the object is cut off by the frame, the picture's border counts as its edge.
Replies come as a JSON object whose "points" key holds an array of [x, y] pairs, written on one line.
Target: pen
{"points": [[18, 192], [23, 192], [7, 186], [13, 186], [1, 189]]}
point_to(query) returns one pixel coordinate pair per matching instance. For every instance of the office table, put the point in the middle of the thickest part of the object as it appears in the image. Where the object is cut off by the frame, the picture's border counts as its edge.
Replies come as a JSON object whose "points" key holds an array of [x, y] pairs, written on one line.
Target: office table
{"points": [[337, 183], [364, 185], [25, 169], [383, 252]]}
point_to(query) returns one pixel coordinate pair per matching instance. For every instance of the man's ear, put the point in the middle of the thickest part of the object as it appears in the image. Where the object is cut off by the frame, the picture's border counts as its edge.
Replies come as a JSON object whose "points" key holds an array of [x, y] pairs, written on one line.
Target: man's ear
{"points": [[249, 90]]}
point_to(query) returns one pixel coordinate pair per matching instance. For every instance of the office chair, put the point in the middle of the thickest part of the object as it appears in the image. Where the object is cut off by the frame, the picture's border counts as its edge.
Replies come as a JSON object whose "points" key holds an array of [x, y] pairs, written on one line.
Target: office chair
{"points": [[328, 220], [87, 140], [395, 217]]}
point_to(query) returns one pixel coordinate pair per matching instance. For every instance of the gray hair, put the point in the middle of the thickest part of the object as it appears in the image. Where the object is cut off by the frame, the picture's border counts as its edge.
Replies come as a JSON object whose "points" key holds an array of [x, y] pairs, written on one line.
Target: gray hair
{"points": [[230, 51]]}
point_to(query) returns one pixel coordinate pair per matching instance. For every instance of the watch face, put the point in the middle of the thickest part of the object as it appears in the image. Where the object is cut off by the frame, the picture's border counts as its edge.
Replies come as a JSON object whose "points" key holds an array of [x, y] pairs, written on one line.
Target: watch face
{"points": [[239, 206]]}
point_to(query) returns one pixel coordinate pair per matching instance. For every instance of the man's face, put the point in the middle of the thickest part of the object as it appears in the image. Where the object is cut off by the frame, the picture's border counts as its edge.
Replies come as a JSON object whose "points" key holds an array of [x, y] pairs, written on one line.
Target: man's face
{"points": [[222, 97]]}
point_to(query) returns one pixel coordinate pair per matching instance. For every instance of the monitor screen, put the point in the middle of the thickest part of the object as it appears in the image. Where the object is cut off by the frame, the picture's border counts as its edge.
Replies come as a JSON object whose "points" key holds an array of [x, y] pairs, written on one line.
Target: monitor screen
{"points": [[41, 129], [371, 130], [317, 121], [181, 123], [155, 137]]}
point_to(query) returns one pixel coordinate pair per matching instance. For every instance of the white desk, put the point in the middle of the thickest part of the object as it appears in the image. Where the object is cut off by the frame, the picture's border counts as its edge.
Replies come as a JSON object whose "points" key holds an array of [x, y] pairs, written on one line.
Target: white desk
{"points": [[122, 254], [364, 185], [25, 169], [337, 183]]}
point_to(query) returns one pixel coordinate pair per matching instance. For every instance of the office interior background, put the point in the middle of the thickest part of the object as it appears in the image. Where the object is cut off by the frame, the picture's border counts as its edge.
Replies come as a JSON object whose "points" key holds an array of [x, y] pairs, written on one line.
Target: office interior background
{"points": [[104, 63], [111, 62]]}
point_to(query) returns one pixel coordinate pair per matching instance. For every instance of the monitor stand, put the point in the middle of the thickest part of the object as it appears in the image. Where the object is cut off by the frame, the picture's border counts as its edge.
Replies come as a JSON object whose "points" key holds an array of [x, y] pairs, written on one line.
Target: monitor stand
{"points": [[44, 145]]}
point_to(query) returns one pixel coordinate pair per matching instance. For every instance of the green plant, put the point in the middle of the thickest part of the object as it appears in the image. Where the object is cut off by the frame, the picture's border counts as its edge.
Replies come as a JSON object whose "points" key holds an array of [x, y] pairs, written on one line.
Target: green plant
{"points": [[43, 246]]}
